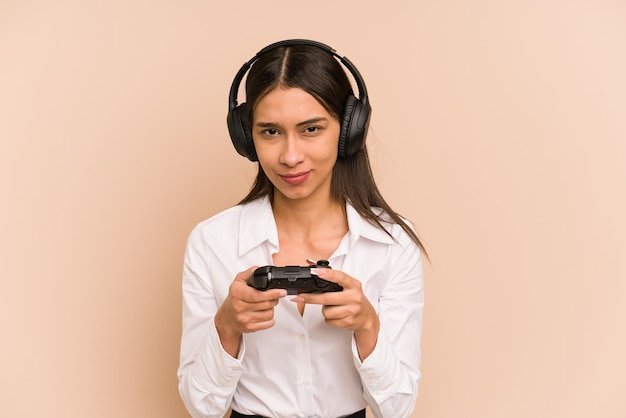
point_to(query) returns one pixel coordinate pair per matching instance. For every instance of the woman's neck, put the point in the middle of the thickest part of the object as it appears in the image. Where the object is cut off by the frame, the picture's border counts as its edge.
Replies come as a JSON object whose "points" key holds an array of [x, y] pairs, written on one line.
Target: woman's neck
{"points": [[309, 218]]}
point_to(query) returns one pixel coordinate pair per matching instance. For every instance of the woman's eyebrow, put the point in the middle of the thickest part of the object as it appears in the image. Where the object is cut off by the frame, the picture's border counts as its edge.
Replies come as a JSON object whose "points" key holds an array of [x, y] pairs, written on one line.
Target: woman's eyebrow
{"points": [[278, 125], [267, 124], [312, 121]]}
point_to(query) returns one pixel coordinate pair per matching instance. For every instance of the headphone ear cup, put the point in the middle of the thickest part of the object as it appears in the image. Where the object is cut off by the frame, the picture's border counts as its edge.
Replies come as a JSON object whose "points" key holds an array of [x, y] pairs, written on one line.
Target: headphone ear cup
{"points": [[354, 127], [240, 132], [344, 132]]}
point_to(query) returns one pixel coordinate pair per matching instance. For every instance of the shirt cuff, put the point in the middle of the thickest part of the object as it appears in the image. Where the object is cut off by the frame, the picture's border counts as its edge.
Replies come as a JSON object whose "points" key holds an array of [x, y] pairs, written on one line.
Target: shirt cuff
{"points": [[219, 370], [381, 372]]}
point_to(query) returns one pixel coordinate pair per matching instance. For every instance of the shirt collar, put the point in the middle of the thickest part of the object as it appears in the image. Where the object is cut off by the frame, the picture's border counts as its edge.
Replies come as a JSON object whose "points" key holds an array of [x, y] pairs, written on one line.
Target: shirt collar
{"points": [[257, 225], [361, 227]]}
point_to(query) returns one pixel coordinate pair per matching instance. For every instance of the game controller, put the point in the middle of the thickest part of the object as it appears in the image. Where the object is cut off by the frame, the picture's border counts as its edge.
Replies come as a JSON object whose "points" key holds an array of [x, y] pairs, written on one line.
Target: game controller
{"points": [[294, 279]]}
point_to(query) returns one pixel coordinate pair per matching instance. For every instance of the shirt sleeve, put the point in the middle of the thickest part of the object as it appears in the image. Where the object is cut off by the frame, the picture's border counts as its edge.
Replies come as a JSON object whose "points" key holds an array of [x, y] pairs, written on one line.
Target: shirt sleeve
{"points": [[207, 375], [390, 374]]}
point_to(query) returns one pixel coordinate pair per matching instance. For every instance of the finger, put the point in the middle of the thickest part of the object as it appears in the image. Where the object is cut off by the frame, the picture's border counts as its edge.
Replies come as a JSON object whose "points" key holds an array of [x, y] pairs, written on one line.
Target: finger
{"points": [[337, 276], [330, 298], [258, 296], [266, 305], [251, 295], [245, 275], [334, 312], [258, 316], [258, 326], [255, 321], [315, 299], [242, 306]]}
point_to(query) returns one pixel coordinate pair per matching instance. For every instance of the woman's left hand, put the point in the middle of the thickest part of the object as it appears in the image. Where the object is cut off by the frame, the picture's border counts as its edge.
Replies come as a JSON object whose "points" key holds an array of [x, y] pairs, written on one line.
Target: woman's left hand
{"points": [[349, 309]]}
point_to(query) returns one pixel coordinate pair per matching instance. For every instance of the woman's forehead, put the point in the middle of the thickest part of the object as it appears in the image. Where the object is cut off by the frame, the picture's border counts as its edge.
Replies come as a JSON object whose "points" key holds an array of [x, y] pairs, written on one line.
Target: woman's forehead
{"points": [[288, 104]]}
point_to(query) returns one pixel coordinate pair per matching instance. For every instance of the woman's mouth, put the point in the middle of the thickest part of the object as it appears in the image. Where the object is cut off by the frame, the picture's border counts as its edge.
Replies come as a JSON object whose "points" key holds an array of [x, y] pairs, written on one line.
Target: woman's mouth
{"points": [[295, 178]]}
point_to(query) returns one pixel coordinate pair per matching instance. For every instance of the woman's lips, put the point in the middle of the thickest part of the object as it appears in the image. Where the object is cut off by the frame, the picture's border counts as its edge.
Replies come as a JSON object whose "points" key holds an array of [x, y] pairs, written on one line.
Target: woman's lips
{"points": [[295, 178]]}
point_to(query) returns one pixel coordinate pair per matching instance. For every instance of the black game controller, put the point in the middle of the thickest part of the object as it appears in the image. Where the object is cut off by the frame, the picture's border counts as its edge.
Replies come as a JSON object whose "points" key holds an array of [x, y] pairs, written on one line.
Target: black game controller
{"points": [[294, 279]]}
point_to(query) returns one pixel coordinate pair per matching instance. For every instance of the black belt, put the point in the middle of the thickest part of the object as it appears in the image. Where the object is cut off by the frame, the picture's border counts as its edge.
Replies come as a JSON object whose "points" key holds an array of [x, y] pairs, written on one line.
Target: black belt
{"points": [[235, 414]]}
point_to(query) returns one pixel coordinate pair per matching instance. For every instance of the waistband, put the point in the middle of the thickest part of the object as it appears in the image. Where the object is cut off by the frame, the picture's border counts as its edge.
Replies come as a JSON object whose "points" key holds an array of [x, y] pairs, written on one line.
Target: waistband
{"points": [[235, 414]]}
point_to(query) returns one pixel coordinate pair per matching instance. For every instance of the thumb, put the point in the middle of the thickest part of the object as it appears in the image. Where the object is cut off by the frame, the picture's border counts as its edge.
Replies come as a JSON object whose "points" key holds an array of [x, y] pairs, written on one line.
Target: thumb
{"points": [[336, 276], [245, 275]]}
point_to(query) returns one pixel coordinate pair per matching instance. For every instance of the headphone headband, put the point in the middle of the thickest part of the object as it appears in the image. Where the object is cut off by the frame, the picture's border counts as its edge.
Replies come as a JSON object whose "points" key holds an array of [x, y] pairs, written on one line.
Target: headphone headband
{"points": [[234, 88]]}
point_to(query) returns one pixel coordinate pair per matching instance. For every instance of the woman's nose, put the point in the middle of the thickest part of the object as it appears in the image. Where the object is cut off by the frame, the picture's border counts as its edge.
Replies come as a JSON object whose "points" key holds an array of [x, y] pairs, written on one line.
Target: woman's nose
{"points": [[291, 154]]}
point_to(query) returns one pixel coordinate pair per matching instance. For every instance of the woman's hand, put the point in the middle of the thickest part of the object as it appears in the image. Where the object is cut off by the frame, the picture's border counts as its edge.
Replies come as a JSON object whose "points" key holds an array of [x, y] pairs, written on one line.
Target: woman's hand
{"points": [[245, 309], [349, 309]]}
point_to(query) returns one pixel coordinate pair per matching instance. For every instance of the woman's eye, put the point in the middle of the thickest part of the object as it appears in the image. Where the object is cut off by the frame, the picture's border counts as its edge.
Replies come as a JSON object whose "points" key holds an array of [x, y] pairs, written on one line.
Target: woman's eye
{"points": [[270, 132], [311, 129]]}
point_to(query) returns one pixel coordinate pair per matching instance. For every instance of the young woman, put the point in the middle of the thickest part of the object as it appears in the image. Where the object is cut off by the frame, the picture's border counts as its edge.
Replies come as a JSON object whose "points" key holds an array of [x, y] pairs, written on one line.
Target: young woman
{"points": [[266, 354]]}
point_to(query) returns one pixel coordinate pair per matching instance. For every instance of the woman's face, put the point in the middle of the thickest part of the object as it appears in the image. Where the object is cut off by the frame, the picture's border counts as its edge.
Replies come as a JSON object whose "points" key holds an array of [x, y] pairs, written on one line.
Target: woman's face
{"points": [[296, 140]]}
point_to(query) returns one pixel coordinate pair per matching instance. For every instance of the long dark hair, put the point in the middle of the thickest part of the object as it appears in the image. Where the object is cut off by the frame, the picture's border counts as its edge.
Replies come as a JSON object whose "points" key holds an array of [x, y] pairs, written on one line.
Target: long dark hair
{"points": [[319, 74]]}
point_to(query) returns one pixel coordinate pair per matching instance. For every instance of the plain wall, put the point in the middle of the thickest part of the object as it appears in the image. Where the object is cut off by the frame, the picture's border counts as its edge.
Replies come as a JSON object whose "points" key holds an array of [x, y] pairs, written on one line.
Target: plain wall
{"points": [[498, 129]]}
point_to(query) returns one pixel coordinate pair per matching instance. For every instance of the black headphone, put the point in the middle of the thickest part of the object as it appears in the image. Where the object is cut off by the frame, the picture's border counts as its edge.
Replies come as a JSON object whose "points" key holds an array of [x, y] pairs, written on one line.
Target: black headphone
{"points": [[355, 119]]}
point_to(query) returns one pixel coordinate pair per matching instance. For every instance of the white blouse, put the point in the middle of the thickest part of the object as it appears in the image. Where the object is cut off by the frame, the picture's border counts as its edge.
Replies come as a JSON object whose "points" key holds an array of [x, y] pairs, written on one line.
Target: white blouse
{"points": [[301, 367]]}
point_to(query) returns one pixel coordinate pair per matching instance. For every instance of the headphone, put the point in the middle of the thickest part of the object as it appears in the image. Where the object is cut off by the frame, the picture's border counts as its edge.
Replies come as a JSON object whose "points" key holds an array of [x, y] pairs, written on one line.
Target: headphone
{"points": [[354, 123]]}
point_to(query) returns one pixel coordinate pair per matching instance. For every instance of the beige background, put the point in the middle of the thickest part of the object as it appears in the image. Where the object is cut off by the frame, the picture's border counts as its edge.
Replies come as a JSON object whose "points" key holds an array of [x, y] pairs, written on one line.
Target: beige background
{"points": [[498, 128]]}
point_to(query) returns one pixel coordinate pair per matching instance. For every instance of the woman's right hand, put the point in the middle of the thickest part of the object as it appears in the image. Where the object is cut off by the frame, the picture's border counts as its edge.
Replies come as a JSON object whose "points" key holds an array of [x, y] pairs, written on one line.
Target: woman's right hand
{"points": [[245, 309]]}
